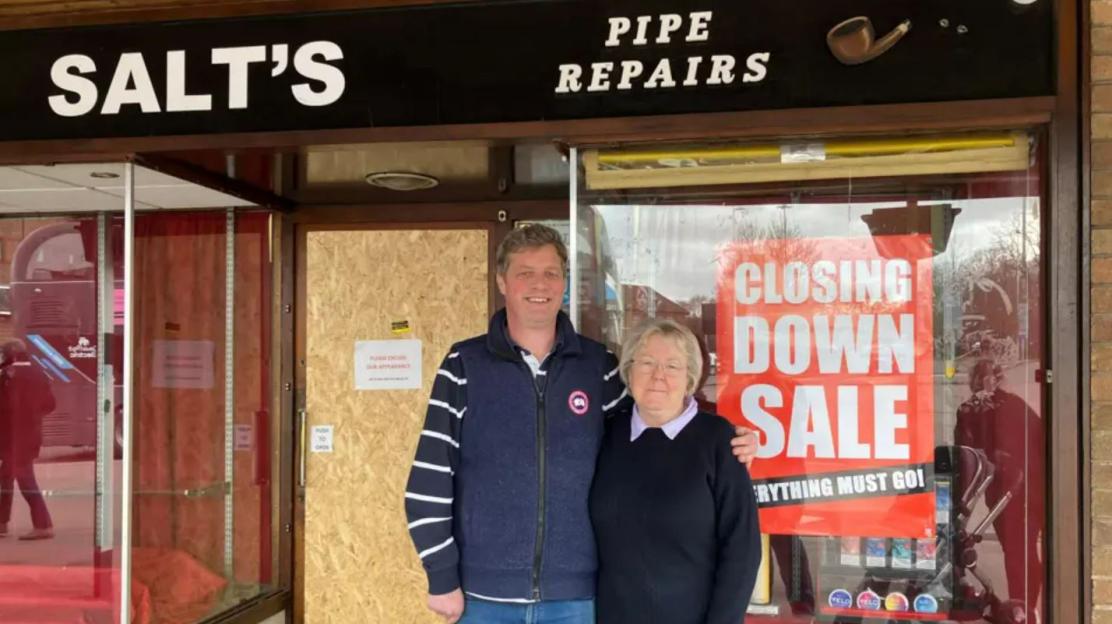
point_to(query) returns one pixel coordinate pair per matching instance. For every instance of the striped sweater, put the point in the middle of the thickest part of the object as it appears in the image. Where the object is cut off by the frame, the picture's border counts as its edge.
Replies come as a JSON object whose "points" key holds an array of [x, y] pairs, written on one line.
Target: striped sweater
{"points": [[497, 495]]}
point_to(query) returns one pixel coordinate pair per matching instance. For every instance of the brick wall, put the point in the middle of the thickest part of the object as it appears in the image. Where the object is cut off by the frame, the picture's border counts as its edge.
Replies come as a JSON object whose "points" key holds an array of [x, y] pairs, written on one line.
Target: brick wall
{"points": [[1101, 302]]}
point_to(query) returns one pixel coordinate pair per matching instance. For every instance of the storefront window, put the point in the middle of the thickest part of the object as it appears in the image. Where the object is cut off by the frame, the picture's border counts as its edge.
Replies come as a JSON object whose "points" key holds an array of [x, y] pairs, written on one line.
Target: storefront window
{"points": [[203, 494], [873, 308], [59, 422], [204, 440]]}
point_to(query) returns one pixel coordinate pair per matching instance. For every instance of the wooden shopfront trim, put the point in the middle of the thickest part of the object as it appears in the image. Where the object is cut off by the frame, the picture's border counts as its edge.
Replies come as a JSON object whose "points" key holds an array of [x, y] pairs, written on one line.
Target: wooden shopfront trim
{"points": [[1054, 118], [1069, 555], [24, 14], [1084, 106], [1068, 599], [843, 120], [1065, 267], [1068, 558], [1058, 118]]}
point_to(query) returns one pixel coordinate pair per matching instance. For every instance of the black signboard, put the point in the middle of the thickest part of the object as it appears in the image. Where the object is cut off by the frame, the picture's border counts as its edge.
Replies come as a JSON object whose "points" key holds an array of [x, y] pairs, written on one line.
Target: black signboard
{"points": [[517, 61]]}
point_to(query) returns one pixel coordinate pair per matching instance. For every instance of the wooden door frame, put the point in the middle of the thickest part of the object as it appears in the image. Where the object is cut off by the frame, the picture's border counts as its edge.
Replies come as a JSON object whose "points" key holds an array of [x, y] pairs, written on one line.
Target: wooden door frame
{"points": [[473, 216]]}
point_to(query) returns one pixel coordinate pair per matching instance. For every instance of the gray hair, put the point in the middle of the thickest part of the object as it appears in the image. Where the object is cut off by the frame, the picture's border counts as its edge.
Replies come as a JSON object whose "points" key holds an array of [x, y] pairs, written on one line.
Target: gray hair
{"points": [[682, 336], [532, 236]]}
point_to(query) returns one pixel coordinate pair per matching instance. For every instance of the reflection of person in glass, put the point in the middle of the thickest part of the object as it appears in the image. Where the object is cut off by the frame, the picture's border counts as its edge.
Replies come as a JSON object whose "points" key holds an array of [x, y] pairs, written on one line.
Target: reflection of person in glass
{"points": [[25, 398], [795, 572], [1010, 433], [674, 513]]}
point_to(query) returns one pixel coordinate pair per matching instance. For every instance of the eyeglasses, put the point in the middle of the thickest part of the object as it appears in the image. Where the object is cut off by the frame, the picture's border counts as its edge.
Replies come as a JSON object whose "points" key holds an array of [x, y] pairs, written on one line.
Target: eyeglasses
{"points": [[648, 366]]}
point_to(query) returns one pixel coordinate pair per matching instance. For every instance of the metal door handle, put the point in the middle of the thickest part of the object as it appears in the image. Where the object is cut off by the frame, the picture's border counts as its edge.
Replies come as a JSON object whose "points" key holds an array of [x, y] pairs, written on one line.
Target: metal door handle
{"points": [[303, 417]]}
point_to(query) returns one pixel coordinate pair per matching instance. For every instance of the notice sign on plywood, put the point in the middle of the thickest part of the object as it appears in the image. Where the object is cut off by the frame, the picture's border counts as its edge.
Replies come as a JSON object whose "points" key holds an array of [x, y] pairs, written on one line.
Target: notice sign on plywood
{"points": [[826, 348], [388, 365]]}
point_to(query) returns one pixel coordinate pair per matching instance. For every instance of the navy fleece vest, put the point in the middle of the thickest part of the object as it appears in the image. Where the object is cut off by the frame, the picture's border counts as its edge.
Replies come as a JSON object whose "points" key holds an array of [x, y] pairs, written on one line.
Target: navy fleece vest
{"points": [[526, 464]]}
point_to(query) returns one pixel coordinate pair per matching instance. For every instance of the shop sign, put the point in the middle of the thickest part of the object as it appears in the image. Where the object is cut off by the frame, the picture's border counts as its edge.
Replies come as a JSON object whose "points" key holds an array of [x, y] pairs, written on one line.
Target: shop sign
{"points": [[516, 61], [826, 348]]}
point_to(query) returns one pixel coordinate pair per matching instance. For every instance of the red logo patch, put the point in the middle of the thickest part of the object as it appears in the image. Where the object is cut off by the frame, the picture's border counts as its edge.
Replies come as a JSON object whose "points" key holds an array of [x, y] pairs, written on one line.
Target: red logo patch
{"points": [[578, 402]]}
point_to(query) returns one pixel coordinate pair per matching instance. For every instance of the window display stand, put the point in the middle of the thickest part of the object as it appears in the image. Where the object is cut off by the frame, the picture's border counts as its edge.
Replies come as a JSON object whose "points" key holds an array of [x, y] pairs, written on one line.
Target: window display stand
{"points": [[911, 580], [852, 593], [892, 579]]}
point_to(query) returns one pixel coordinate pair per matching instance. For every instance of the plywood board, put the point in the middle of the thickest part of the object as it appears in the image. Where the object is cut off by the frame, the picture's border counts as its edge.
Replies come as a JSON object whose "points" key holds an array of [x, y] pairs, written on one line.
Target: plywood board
{"points": [[359, 563], [179, 432]]}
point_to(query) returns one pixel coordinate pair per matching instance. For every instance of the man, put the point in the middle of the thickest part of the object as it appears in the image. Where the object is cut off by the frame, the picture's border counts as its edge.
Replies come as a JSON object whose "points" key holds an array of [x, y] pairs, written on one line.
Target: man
{"points": [[497, 496], [25, 398], [1011, 435]]}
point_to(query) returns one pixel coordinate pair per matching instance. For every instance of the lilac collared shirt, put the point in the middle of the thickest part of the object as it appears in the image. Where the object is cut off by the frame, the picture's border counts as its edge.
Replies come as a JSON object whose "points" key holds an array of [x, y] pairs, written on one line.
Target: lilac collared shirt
{"points": [[672, 428]]}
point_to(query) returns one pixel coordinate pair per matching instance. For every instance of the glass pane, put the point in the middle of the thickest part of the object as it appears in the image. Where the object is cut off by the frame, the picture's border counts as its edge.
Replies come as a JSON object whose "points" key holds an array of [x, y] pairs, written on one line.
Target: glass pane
{"points": [[254, 430], [203, 493], [59, 495], [884, 331]]}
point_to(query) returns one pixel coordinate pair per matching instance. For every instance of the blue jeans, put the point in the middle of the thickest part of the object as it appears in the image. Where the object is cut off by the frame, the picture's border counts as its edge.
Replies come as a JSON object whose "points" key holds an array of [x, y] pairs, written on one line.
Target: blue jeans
{"points": [[549, 612]]}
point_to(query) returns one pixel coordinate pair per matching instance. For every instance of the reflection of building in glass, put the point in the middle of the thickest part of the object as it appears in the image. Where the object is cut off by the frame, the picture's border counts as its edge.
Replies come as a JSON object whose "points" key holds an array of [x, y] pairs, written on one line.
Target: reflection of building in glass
{"points": [[54, 308], [599, 288], [643, 302]]}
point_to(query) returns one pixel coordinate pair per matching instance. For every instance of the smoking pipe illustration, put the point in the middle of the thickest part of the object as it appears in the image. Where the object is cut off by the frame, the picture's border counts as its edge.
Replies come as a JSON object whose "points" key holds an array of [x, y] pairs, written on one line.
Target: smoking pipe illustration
{"points": [[854, 42]]}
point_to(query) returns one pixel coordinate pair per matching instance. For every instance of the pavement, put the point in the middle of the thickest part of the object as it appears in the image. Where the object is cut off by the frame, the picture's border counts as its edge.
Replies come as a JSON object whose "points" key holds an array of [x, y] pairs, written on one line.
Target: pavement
{"points": [[67, 477]]}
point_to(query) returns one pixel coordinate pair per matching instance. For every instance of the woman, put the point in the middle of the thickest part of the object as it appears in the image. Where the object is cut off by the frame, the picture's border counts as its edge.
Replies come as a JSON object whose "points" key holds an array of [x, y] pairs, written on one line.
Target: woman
{"points": [[674, 514]]}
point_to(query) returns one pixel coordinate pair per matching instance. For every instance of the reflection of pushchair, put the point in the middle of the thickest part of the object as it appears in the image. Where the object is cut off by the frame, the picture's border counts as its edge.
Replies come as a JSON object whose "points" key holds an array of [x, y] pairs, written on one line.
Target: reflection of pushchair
{"points": [[974, 474]]}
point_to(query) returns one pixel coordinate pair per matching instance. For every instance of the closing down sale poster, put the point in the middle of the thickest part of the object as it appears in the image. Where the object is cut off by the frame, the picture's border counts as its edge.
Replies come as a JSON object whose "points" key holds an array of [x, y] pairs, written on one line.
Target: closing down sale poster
{"points": [[825, 346]]}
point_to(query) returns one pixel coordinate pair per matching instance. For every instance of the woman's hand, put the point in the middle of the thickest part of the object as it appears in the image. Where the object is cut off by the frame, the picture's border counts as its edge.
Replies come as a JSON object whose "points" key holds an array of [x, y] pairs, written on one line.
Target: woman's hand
{"points": [[744, 445], [448, 606]]}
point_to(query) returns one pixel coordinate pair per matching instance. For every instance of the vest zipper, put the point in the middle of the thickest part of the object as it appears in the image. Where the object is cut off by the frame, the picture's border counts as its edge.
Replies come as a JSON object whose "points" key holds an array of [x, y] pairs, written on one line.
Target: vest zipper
{"points": [[538, 551]]}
